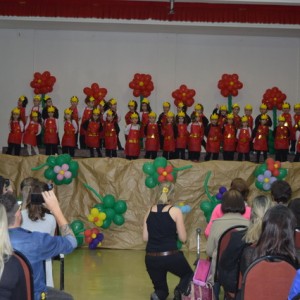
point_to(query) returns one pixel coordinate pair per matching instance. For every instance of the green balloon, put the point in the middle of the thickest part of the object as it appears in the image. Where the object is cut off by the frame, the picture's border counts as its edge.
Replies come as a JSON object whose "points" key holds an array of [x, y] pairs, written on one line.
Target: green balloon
{"points": [[206, 206], [120, 206], [282, 173], [118, 220], [51, 161], [77, 226], [109, 201], [80, 240], [155, 177], [257, 171], [60, 160], [67, 158], [149, 168], [106, 223], [99, 206], [259, 185], [160, 162], [110, 213], [49, 173], [150, 182], [73, 167], [262, 168], [67, 180], [57, 182]]}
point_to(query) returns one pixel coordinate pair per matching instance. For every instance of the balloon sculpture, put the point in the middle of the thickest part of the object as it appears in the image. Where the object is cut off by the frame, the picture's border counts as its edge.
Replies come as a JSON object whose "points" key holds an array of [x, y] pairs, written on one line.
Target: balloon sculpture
{"points": [[267, 173], [93, 237], [95, 91], [110, 210], [159, 171], [184, 95], [42, 83], [61, 169], [77, 227], [185, 208], [141, 85], [208, 206], [229, 86]]}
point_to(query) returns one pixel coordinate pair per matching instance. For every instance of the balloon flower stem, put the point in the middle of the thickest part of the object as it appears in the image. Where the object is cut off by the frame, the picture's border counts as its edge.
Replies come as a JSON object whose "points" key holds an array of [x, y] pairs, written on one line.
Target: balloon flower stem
{"points": [[91, 189], [206, 187], [183, 168], [39, 167]]}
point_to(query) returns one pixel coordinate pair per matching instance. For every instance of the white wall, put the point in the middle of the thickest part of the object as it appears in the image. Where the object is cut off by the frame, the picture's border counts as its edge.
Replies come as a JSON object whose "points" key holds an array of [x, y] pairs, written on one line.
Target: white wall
{"points": [[79, 58]]}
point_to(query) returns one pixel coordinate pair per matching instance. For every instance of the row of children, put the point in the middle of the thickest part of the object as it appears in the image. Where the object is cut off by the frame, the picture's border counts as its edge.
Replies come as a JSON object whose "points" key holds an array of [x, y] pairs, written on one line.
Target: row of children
{"points": [[173, 134]]}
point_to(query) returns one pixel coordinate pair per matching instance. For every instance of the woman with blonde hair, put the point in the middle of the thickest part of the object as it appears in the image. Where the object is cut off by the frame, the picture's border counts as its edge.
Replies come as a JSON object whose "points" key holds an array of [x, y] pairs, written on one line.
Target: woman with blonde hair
{"points": [[12, 279], [163, 224]]}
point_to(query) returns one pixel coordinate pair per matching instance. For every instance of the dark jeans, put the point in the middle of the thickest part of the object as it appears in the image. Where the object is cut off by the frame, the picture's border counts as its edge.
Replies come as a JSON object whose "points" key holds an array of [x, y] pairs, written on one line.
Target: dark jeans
{"points": [[92, 152], [16, 148], [151, 154], [265, 155], [228, 155], [180, 153], [247, 156], [194, 155], [215, 156], [168, 155], [68, 150], [281, 154], [110, 153], [51, 149], [54, 294], [159, 266]]}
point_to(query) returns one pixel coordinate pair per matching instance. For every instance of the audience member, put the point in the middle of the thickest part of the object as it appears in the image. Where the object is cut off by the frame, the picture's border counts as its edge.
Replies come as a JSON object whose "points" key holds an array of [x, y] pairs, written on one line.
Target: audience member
{"points": [[5, 185], [12, 279], [37, 246], [281, 192], [294, 205], [295, 288]]}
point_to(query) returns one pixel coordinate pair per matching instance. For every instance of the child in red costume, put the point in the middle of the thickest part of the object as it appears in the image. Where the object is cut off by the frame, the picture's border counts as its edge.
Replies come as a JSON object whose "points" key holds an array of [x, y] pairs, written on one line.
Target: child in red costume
{"points": [[144, 117], [169, 134], [152, 137], [297, 136], [132, 106], [87, 114], [111, 131], [195, 136], [93, 127], [281, 140], [132, 134], [102, 106], [260, 138], [182, 135], [32, 129], [213, 132], [198, 108], [16, 131], [22, 103], [51, 132], [248, 113], [76, 115], [182, 108], [296, 119], [49, 103], [37, 108], [68, 141], [162, 121], [229, 138], [243, 136], [263, 111], [236, 118], [221, 111]]}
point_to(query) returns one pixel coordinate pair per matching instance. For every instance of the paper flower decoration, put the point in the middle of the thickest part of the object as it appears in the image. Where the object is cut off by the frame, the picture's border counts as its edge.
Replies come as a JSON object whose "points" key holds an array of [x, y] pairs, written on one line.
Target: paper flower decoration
{"points": [[93, 237], [97, 217], [229, 85], [42, 83], [95, 91], [61, 169], [184, 95], [273, 98], [142, 85]]}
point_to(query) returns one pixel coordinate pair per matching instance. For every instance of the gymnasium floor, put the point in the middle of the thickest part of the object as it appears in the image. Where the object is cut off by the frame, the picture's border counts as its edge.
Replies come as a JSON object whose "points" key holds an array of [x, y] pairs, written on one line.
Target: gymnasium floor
{"points": [[109, 275]]}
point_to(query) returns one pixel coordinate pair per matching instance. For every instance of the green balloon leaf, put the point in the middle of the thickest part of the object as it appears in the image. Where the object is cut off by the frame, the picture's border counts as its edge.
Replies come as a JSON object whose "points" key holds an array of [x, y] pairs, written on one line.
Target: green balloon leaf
{"points": [[160, 162], [106, 223], [118, 220], [149, 168], [120, 206], [108, 201], [150, 182]]}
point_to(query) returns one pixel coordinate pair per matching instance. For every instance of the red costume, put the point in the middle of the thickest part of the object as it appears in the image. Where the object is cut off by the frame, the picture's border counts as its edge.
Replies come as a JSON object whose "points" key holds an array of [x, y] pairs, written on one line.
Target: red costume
{"points": [[128, 117], [282, 138], [169, 138], [75, 114], [250, 122], [243, 140], [229, 138], [261, 138], [87, 114], [30, 133], [23, 114], [152, 137], [92, 136], [296, 126], [50, 134], [110, 136], [68, 139], [144, 116], [15, 135], [237, 121], [214, 138], [182, 137], [195, 137], [132, 146]]}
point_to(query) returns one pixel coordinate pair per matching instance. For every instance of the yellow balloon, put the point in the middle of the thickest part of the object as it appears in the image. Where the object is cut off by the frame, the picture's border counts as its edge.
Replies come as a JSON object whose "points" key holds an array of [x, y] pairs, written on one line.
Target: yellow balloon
{"points": [[99, 223], [102, 216], [94, 211], [90, 218]]}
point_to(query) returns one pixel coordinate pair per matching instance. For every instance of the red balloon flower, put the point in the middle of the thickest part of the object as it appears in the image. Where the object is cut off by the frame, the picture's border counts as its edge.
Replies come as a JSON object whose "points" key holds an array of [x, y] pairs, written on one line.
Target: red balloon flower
{"points": [[274, 98], [184, 95], [165, 174], [90, 234], [95, 91], [142, 85], [42, 83], [229, 85], [273, 166]]}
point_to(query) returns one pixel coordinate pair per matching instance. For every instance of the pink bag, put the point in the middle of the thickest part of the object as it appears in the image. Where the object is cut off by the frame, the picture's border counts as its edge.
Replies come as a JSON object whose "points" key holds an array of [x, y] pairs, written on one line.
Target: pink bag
{"points": [[202, 272], [199, 292]]}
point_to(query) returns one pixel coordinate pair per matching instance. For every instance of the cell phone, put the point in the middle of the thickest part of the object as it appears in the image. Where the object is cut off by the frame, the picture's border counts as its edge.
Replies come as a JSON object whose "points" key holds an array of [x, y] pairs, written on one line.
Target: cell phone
{"points": [[36, 198]]}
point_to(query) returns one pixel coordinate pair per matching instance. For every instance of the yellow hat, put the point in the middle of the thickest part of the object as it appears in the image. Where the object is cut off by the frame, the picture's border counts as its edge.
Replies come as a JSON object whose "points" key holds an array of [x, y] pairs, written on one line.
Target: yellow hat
{"points": [[113, 101], [37, 97], [181, 114], [152, 114], [22, 98], [248, 107], [198, 106], [16, 111], [134, 116], [281, 119], [263, 106], [74, 99], [235, 105], [196, 114], [102, 103], [166, 104], [109, 112], [131, 103], [297, 106], [229, 116], [244, 119], [180, 104], [170, 114], [286, 105], [223, 107], [47, 97], [91, 98], [264, 117], [145, 100], [214, 117], [96, 111], [34, 114], [51, 109], [68, 111]]}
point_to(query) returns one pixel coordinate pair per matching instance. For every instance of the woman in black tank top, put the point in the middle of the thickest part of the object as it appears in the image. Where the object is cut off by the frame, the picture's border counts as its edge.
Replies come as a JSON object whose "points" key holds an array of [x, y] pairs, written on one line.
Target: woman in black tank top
{"points": [[163, 225]]}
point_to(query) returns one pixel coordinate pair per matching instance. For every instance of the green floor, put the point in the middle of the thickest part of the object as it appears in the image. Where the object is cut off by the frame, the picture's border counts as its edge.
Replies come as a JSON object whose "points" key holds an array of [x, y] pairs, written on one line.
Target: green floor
{"points": [[109, 274]]}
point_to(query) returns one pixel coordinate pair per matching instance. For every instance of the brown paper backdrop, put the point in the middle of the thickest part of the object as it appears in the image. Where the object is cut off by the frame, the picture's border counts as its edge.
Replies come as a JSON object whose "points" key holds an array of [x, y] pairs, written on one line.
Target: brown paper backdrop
{"points": [[125, 180]]}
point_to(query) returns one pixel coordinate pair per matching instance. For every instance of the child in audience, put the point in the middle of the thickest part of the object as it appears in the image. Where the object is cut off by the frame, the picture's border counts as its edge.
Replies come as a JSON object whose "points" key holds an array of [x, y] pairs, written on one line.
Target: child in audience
{"points": [[162, 121], [68, 141], [169, 134], [51, 132], [248, 113], [16, 127], [243, 136], [181, 140], [111, 131], [152, 137], [32, 129], [281, 140], [22, 103], [281, 192], [229, 138], [87, 114], [132, 135]]}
